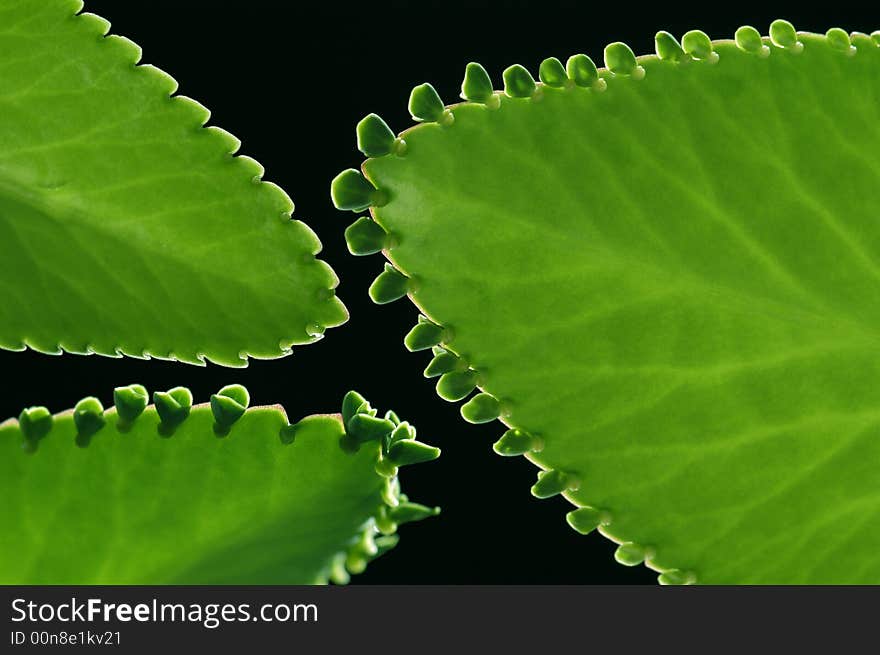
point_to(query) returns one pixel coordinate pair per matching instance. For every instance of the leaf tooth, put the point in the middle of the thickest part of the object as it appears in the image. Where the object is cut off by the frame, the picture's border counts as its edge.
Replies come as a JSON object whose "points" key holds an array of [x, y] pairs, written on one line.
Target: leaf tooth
{"points": [[424, 335], [632, 554], [408, 451], [784, 35], [482, 408], [385, 543], [338, 574], [875, 37], [351, 402], [355, 563], [362, 551], [365, 408], [384, 523], [351, 191], [173, 407], [227, 143], [426, 106], [75, 348], [861, 40], [162, 356], [238, 361], [35, 423], [586, 519], [197, 359], [130, 403], [250, 167], [94, 24], [668, 47], [402, 432], [125, 49], [197, 113], [236, 392], [677, 577], [134, 354], [518, 442], [14, 345], [552, 73], [44, 348], [749, 39], [582, 70], [391, 495], [88, 417], [839, 40], [389, 285], [367, 544], [699, 46], [228, 405], [620, 60], [165, 83], [374, 137], [518, 82], [443, 362], [456, 385], [408, 512], [365, 237], [363, 427], [477, 86], [104, 351], [553, 482]]}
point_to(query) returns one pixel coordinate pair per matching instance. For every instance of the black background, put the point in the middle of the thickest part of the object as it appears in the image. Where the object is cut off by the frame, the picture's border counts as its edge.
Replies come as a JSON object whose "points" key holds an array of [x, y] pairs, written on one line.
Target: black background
{"points": [[291, 80]]}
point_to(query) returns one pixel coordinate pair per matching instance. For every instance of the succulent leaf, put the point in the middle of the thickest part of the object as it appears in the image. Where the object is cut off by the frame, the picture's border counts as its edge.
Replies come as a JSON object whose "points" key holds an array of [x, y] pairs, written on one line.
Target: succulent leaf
{"points": [[674, 285], [127, 227]]}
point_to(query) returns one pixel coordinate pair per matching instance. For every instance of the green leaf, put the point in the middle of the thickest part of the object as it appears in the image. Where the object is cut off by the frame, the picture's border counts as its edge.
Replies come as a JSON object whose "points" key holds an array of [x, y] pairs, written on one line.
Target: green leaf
{"points": [[199, 500], [126, 226], [671, 283]]}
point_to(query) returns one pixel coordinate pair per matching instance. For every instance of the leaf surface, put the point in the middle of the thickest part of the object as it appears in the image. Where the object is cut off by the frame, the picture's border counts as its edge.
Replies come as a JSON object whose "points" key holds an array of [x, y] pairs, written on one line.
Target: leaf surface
{"points": [[667, 279], [126, 226]]}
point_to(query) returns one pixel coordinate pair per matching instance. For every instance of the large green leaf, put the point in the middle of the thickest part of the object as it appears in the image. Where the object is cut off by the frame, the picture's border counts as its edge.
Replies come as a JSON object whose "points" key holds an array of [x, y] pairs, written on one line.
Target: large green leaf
{"points": [[666, 277], [210, 494], [126, 227]]}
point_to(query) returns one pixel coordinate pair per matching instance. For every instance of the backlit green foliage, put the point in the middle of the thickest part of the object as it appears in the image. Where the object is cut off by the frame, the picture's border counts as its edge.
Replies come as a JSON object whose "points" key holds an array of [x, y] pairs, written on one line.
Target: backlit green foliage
{"points": [[217, 493], [127, 227], [664, 277]]}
